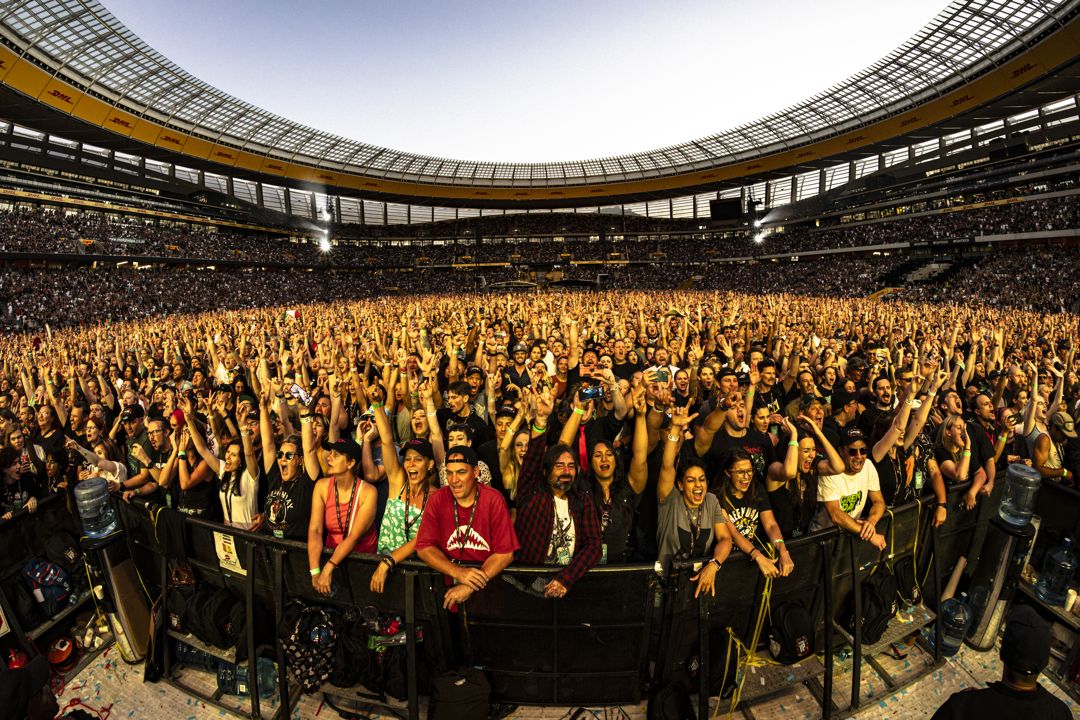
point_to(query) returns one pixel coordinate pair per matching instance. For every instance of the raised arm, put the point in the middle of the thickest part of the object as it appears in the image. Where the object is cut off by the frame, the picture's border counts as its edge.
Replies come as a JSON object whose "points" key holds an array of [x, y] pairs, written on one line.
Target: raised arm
{"points": [[638, 473], [672, 442]]}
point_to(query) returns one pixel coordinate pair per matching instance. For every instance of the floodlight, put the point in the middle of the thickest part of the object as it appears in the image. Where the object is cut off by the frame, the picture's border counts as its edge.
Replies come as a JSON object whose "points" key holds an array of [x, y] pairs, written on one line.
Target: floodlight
{"points": [[324, 245]]}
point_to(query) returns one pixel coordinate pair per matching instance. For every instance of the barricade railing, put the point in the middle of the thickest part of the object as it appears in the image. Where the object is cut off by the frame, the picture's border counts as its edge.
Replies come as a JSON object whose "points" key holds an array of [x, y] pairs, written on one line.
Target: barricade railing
{"points": [[711, 627], [592, 647], [588, 648]]}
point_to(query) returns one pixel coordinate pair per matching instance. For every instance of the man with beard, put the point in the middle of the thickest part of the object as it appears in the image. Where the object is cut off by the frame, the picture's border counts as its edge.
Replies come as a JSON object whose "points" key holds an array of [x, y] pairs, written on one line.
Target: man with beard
{"points": [[883, 405], [556, 521], [725, 429], [621, 366], [843, 497], [458, 411]]}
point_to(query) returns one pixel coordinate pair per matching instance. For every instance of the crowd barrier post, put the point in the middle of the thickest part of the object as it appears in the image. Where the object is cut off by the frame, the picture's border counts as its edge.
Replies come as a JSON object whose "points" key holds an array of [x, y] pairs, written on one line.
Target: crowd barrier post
{"points": [[811, 555]]}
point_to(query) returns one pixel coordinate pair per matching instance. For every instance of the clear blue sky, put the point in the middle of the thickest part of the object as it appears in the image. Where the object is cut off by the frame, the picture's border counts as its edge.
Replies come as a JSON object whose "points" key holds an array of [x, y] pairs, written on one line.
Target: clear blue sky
{"points": [[523, 81]]}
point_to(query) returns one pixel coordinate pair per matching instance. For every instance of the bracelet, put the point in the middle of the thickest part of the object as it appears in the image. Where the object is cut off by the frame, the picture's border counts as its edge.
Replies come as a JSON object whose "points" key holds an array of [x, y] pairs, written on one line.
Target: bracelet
{"points": [[578, 411], [753, 551], [304, 415], [315, 571], [375, 405], [182, 455], [305, 420], [673, 438], [967, 453], [942, 505], [537, 428], [716, 562], [331, 562], [432, 414], [1004, 436], [778, 542], [280, 397], [793, 444]]}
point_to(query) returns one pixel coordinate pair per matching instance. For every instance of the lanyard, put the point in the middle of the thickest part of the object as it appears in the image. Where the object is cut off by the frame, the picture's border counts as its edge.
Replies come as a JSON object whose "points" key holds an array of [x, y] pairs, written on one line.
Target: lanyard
{"points": [[423, 506], [343, 525], [695, 527], [468, 530]]}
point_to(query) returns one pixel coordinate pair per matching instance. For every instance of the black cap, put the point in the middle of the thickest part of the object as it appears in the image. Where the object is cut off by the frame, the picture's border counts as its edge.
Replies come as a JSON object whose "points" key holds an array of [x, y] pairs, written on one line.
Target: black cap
{"points": [[1025, 645], [133, 412], [724, 372], [808, 400], [520, 347], [474, 370], [21, 685], [419, 445], [347, 447], [462, 453], [742, 378], [852, 435]]}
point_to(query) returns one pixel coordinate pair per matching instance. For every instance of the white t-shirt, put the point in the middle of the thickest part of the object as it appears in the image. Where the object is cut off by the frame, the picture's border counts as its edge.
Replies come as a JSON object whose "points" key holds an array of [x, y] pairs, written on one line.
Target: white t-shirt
{"points": [[851, 491], [563, 538], [239, 510]]}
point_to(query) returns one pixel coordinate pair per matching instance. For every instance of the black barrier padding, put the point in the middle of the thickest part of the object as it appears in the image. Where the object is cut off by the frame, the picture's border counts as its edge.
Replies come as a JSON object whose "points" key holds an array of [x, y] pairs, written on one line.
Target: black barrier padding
{"points": [[586, 648], [24, 535]]}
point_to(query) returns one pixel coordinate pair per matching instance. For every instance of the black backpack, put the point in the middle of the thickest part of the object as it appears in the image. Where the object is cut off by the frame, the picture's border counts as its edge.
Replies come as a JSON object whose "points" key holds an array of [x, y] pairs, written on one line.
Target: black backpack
{"points": [[459, 695], [179, 601], [879, 605], [354, 662], [308, 637], [211, 614], [62, 548], [671, 701], [791, 638], [907, 584]]}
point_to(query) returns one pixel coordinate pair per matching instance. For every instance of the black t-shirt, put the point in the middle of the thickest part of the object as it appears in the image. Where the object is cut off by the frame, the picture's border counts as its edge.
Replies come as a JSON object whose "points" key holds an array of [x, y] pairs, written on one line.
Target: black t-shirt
{"points": [[771, 399], [756, 444], [201, 499], [288, 504], [982, 447], [14, 497], [1000, 702], [896, 476], [794, 512], [834, 431], [481, 433], [626, 370], [745, 512], [488, 453]]}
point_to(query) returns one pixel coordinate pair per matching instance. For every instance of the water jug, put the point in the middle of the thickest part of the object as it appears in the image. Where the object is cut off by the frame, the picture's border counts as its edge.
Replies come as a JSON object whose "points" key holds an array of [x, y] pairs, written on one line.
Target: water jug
{"points": [[955, 621], [95, 508], [1018, 499], [232, 679], [1058, 568]]}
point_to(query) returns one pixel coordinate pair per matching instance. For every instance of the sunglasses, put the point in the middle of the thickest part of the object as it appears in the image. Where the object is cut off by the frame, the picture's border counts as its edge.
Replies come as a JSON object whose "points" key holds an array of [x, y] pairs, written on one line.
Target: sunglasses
{"points": [[855, 452], [285, 455]]}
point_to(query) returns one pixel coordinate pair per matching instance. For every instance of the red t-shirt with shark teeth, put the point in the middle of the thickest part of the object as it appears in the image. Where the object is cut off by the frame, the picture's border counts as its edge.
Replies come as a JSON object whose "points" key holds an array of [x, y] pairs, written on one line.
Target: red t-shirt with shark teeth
{"points": [[491, 532]]}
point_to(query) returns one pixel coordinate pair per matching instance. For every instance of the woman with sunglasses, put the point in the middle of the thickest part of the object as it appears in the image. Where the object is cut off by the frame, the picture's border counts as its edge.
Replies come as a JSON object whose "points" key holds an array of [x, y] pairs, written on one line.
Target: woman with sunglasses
{"points": [[290, 478], [750, 519]]}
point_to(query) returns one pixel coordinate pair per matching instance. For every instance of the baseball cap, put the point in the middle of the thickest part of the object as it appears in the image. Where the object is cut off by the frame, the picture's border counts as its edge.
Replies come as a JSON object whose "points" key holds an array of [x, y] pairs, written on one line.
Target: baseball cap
{"points": [[474, 370], [520, 347], [1063, 421], [419, 445], [1025, 644], [132, 412], [742, 378], [724, 372], [21, 685], [347, 447], [462, 453], [808, 400], [852, 435]]}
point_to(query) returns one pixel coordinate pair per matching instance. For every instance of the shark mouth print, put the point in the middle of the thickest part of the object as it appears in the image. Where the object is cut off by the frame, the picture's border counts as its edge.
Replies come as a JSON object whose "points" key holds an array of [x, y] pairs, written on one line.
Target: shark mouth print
{"points": [[465, 538]]}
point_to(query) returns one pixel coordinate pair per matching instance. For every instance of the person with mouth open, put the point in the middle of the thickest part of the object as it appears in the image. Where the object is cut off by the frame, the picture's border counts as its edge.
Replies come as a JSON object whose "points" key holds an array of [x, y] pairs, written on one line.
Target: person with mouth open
{"points": [[843, 496], [556, 518], [465, 522], [691, 521]]}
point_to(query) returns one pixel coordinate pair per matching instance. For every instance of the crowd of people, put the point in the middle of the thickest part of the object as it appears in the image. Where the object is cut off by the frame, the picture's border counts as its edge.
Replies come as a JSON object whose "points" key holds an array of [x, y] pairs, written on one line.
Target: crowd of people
{"points": [[517, 238], [565, 430]]}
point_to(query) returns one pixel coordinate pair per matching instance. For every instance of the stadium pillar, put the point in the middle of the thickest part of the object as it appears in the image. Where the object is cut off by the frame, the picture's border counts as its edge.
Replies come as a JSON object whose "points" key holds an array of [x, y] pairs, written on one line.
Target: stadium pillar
{"points": [[821, 181], [258, 194], [794, 189], [742, 197], [768, 194], [313, 208], [851, 169]]}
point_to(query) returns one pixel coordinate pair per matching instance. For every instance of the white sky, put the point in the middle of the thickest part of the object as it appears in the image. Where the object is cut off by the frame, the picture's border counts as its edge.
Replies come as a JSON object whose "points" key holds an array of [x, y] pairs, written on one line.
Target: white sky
{"points": [[523, 81]]}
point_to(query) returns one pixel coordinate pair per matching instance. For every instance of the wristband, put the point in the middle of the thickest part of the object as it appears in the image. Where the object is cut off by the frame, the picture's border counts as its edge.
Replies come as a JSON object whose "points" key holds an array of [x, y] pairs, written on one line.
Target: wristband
{"points": [[942, 505], [432, 414], [753, 551], [1004, 436], [331, 562], [967, 453], [673, 438], [375, 405], [778, 542], [315, 571], [793, 444], [537, 428], [716, 562], [182, 455], [578, 411], [305, 419]]}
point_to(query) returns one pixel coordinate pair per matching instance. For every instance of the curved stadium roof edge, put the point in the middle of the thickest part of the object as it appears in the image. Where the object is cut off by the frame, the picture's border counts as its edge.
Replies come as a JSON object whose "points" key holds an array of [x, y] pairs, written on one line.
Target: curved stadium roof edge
{"points": [[77, 58]]}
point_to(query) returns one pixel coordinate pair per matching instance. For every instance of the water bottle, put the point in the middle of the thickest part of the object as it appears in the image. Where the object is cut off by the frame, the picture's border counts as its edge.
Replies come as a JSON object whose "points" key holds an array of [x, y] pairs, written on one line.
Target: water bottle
{"points": [[1018, 499], [232, 678], [95, 508], [955, 622], [1058, 568]]}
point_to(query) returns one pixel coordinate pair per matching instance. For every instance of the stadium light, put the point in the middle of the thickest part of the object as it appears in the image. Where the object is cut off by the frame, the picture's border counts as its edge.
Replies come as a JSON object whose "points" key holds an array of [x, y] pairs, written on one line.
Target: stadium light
{"points": [[324, 244], [757, 223], [759, 238]]}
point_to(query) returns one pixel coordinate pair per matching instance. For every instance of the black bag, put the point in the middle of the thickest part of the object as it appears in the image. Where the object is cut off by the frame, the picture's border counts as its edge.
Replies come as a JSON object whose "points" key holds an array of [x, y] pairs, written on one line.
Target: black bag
{"points": [[671, 701], [879, 605], [308, 637], [459, 695], [791, 637], [908, 591], [179, 601], [210, 616], [354, 662], [62, 548]]}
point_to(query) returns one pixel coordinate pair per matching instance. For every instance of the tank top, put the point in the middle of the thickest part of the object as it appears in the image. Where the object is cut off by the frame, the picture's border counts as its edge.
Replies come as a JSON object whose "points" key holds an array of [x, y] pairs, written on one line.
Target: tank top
{"points": [[401, 520], [338, 518], [1053, 457]]}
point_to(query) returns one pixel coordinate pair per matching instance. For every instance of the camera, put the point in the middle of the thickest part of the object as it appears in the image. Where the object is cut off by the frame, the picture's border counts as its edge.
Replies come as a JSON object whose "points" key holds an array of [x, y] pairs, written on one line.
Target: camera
{"points": [[591, 392]]}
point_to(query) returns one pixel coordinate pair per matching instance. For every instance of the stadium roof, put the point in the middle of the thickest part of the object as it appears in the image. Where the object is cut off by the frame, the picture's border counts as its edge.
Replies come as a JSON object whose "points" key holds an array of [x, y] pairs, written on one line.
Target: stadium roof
{"points": [[110, 77]]}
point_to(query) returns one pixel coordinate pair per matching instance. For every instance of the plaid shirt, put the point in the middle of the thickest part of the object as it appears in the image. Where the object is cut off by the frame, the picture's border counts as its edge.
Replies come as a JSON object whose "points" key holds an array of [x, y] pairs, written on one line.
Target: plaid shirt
{"points": [[536, 518]]}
